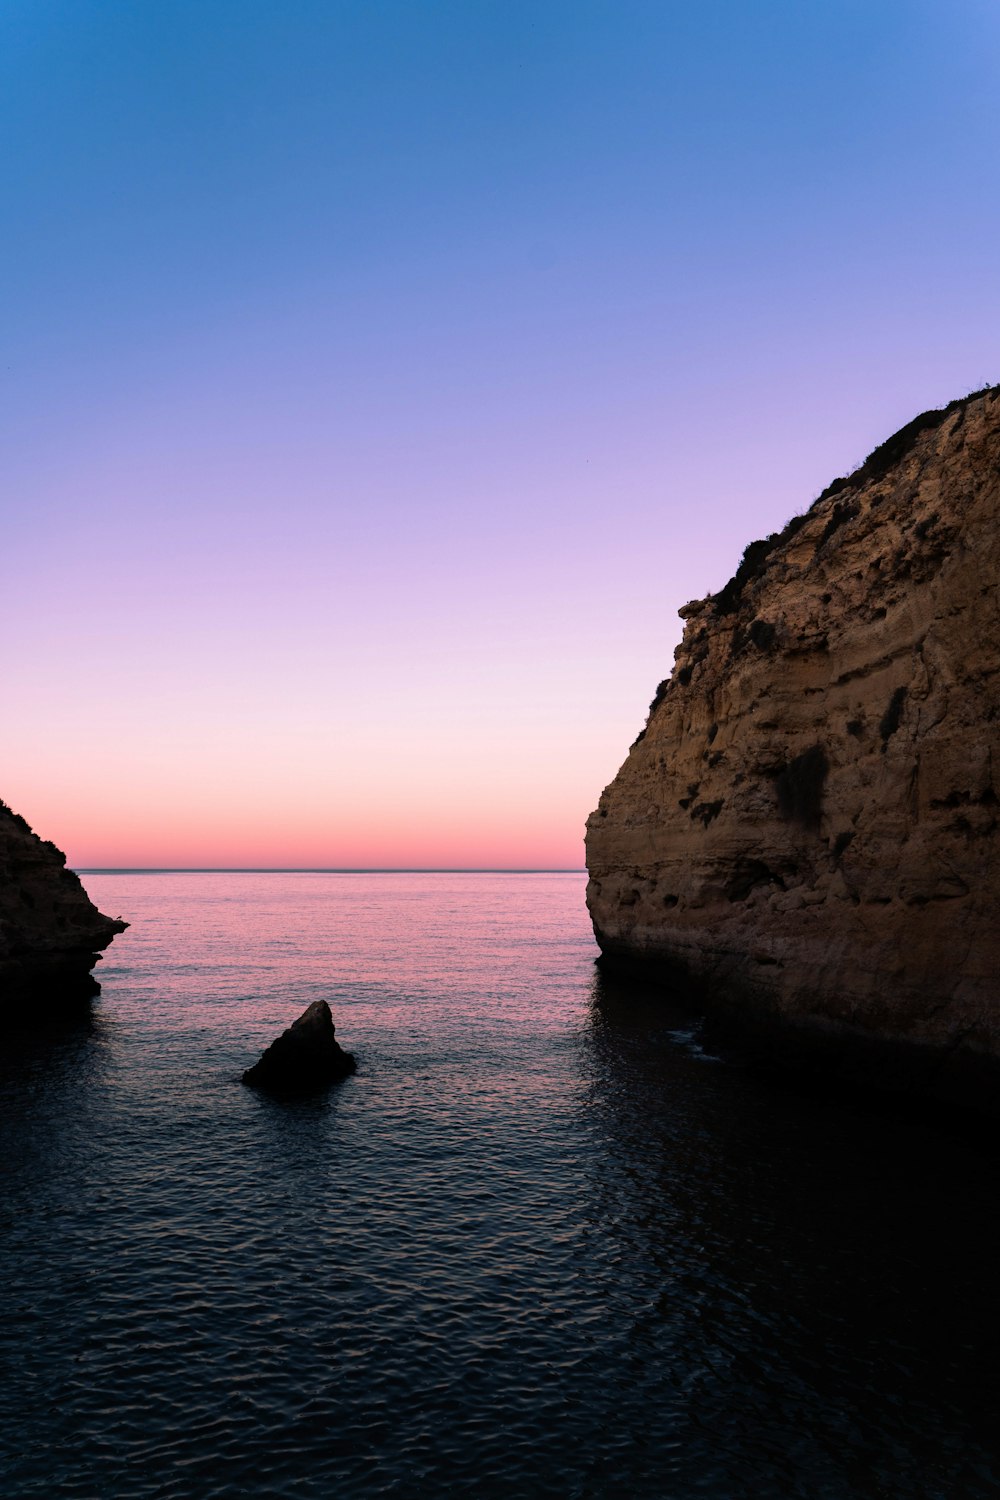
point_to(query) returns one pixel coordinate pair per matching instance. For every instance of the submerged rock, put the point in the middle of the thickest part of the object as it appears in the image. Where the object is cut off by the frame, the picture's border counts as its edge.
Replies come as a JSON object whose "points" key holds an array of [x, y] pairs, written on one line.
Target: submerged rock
{"points": [[809, 824], [305, 1058], [51, 933]]}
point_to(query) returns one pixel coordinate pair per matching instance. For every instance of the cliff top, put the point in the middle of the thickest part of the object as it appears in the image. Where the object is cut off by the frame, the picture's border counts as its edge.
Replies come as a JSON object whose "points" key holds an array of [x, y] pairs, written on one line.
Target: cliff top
{"points": [[876, 466]]}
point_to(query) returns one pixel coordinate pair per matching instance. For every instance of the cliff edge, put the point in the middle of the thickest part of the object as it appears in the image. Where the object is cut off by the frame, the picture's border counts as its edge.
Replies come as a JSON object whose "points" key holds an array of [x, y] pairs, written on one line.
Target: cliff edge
{"points": [[808, 824], [51, 933]]}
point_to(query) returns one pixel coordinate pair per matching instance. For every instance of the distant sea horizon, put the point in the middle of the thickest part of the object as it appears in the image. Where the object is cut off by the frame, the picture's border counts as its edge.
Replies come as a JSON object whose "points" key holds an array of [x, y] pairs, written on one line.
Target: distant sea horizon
{"points": [[329, 869]]}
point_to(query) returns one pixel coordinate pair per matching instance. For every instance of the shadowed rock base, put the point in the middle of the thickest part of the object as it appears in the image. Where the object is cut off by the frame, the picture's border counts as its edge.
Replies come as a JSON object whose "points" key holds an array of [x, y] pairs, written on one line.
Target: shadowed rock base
{"points": [[304, 1059], [943, 1082]]}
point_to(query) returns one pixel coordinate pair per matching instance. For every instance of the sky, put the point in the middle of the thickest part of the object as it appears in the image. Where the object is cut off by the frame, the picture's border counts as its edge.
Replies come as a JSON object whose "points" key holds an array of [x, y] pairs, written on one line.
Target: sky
{"points": [[378, 380]]}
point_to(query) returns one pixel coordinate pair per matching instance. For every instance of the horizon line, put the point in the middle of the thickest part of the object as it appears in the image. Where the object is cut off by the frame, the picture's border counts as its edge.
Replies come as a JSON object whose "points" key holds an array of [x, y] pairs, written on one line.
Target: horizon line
{"points": [[329, 869]]}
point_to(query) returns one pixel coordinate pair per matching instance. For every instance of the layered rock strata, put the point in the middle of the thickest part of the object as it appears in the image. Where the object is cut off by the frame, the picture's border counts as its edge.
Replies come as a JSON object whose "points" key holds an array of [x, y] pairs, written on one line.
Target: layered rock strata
{"points": [[51, 933], [808, 824]]}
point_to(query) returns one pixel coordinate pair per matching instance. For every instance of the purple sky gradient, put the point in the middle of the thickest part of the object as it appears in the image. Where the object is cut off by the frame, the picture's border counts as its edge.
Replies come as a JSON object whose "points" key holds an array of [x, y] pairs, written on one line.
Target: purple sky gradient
{"points": [[379, 380]]}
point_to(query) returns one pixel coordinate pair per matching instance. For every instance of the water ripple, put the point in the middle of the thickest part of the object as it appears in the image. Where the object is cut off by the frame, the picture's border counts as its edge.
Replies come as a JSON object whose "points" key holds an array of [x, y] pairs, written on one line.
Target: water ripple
{"points": [[534, 1247]]}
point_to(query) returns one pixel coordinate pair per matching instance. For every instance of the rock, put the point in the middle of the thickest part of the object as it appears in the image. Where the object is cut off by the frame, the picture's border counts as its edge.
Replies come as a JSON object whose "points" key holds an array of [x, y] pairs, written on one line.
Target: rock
{"points": [[51, 933], [809, 824], [305, 1058]]}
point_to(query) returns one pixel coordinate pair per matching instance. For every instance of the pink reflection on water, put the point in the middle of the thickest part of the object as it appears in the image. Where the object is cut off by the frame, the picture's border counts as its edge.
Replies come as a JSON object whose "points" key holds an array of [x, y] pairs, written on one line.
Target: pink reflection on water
{"points": [[410, 963]]}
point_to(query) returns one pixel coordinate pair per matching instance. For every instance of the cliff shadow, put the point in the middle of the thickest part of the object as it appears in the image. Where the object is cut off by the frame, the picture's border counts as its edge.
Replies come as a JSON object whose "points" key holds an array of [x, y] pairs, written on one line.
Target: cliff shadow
{"points": [[823, 1271]]}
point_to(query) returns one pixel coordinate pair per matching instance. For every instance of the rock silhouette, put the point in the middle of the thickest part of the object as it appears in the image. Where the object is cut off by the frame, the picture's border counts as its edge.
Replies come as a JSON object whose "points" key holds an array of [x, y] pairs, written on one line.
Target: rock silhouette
{"points": [[51, 933], [808, 824], [305, 1058]]}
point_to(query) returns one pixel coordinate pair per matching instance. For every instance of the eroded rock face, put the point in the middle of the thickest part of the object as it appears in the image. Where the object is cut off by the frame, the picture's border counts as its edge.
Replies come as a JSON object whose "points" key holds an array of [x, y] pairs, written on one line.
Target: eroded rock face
{"points": [[808, 824], [51, 933], [305, 1058]]}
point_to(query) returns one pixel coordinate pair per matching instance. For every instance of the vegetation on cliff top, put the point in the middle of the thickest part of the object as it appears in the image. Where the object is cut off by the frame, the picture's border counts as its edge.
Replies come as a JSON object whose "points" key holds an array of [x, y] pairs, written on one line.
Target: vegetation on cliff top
{"points": [[878, 463]]}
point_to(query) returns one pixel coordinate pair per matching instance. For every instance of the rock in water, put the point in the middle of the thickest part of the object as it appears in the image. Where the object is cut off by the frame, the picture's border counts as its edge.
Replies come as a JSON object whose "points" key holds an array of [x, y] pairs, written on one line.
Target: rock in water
{"points": [[51, 933], [808, 824], [305, 1058]]}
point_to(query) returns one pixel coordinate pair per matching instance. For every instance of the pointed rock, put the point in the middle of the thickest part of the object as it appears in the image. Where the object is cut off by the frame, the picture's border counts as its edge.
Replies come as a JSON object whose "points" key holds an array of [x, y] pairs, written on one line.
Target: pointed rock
{"points": [[304, 1059]]}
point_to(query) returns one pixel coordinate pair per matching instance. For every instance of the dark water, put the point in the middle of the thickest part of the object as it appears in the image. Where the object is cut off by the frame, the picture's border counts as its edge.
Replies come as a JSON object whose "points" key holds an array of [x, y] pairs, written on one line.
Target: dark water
{"points": [[542, 1243]]}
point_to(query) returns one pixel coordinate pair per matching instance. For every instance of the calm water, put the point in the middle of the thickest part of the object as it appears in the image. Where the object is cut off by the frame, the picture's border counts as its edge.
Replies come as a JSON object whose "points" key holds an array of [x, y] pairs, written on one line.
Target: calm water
{"points": [[544, 1243]]}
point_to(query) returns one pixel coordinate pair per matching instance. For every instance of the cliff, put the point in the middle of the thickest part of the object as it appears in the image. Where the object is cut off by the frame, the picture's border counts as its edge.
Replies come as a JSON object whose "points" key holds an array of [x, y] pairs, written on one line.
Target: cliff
{"points": [[51, 934], [808, 824]]}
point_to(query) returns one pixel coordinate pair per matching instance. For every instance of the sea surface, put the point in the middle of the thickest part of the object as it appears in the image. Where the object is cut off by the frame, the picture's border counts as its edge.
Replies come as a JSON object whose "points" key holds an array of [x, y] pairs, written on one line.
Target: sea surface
{"points": [[548, 1241]]}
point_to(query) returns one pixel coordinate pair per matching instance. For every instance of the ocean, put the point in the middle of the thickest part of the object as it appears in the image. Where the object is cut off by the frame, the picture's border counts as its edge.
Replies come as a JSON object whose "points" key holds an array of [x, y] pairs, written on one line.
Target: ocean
{"points": [[549, 1240]]}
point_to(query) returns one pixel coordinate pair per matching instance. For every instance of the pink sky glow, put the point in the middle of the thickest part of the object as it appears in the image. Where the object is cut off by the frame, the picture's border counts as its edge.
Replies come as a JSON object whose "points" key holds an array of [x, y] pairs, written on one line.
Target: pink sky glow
{"points": [[379, 384]]}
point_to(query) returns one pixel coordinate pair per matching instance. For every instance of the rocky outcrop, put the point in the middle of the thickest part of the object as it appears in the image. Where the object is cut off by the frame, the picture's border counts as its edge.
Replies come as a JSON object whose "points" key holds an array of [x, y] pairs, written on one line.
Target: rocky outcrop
{"points": [[51, 933], [305, 1058], [808, 824]]}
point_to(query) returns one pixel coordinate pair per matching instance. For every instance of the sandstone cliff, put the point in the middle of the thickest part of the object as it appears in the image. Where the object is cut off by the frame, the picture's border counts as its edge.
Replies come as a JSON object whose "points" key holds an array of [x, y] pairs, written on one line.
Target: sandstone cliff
{"points": [[808, 823], [51, 934]]}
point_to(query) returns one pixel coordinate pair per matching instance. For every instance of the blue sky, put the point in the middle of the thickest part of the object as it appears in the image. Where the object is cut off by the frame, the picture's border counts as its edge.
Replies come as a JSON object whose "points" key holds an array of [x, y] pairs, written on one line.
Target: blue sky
{"points": [[379, 379]]}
